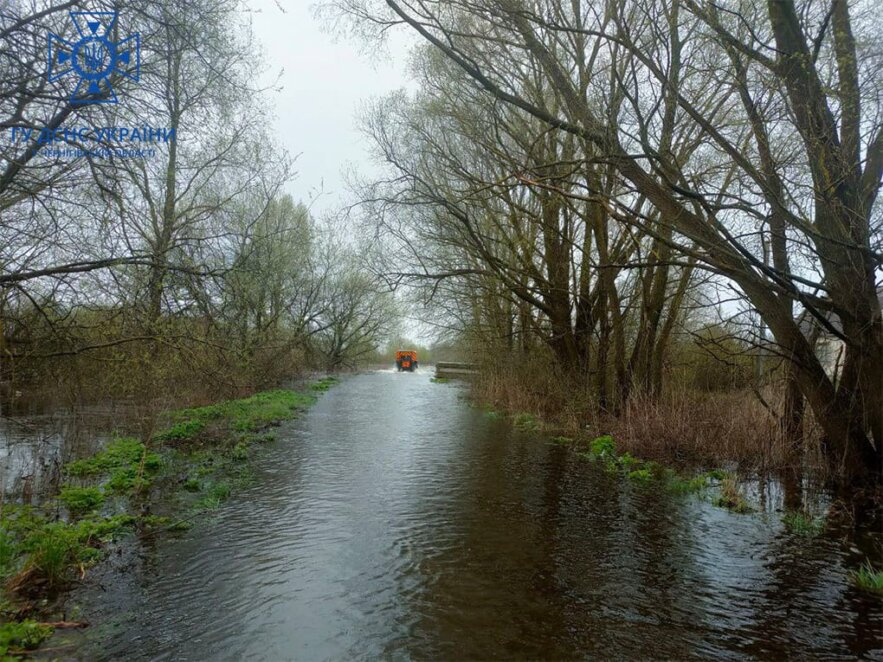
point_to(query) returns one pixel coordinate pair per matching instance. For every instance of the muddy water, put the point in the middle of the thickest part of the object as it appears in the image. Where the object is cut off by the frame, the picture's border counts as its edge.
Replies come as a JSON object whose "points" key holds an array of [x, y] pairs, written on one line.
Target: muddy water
{"points": [[394, 521]]}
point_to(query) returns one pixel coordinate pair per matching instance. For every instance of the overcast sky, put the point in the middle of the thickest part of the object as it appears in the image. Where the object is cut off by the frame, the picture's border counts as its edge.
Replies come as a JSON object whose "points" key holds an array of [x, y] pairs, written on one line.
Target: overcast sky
{"points": [[324, 81]]}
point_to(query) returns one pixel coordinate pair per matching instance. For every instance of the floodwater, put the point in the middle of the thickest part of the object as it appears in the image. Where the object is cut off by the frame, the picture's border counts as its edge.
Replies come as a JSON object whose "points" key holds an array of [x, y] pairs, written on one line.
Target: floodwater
{"points": [[394, 521], [35, 446]]}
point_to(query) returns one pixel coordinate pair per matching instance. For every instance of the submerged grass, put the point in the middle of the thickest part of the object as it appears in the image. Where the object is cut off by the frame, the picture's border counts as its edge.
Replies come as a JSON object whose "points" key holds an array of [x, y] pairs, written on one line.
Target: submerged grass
{"points": [[215, 495], [603, 450], [324, 384], [680, 485], [16, 638]]}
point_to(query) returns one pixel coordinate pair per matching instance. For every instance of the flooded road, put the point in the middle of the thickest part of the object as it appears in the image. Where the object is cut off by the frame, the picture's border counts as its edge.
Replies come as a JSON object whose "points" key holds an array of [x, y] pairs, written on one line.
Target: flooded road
{"points": [[394, 521]]}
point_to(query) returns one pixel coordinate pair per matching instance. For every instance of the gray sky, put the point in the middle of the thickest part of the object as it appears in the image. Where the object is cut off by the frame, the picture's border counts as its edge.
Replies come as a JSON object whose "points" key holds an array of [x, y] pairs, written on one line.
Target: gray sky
{"points": [[325, 79]]}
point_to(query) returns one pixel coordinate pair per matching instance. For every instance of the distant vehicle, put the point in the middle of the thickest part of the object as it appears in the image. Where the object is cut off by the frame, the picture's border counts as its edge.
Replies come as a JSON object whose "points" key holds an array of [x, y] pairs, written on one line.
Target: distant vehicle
{"points": [[406, 359]]}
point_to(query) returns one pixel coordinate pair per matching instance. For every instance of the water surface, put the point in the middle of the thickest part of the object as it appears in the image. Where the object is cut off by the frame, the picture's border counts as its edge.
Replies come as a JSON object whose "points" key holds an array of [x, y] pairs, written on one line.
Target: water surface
{"points": [[394, 521]]}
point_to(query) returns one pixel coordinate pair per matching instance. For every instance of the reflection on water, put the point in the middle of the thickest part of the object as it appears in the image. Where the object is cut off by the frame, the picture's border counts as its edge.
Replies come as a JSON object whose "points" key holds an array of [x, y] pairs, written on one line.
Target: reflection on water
{"points": [[35, 447], [394, 521]]}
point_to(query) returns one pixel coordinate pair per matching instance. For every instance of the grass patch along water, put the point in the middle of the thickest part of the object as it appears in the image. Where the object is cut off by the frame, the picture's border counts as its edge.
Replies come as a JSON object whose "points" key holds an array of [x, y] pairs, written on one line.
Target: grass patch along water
{"points": [[192, 466], [868, 579], [803, 524]]}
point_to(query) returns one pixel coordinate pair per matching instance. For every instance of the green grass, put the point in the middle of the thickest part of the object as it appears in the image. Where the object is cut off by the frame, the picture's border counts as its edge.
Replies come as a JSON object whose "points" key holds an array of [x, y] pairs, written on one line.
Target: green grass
{"points": [[679, 485], [32, 544], [564, 441], [22, 636], [526, 421], [129, 480], [120, 453], [626, 460], [253, 413], [803, 524], [80, 500], [155, 521], [868, 579], [215, 495], [640, 475], [493, 415], [239, 453], [126, 464], [603, 447], [57, 548], [181, 431], [40, 552], [8, 553], [324, 384], [180, 525]]}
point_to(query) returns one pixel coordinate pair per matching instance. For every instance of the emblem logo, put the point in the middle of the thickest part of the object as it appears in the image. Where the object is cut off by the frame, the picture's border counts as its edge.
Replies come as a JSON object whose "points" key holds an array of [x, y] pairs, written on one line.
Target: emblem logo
{"points": [[95, 57]]}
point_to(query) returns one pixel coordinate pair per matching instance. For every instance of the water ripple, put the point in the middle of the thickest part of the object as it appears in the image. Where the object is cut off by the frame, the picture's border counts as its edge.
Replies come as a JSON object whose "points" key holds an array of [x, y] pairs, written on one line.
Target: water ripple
{"points": [[394, 521]]}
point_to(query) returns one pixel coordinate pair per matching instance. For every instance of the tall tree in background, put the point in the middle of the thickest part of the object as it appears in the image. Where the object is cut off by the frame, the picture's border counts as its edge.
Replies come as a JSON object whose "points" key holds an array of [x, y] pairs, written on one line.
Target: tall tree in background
{"points": [[780, 108]]}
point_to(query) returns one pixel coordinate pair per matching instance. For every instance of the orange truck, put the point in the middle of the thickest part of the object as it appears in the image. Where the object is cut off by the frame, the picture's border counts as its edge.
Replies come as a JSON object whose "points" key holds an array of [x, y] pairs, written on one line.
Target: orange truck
{"points": [[406, 359]]}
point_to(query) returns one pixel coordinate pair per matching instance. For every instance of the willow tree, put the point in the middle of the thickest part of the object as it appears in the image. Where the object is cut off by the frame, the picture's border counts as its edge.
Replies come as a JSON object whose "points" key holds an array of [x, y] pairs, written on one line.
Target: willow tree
{"points": [[784, 101], [502, 205]]}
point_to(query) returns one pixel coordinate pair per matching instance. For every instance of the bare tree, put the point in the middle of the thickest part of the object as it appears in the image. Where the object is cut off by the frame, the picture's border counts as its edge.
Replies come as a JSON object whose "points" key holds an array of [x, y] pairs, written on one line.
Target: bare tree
{"points": [[730, 81]]}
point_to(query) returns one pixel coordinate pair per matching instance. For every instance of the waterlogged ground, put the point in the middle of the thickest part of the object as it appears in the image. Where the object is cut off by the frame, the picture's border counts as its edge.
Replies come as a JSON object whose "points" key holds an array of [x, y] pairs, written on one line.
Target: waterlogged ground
{"points": [[34, 447], [395, 521]]}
